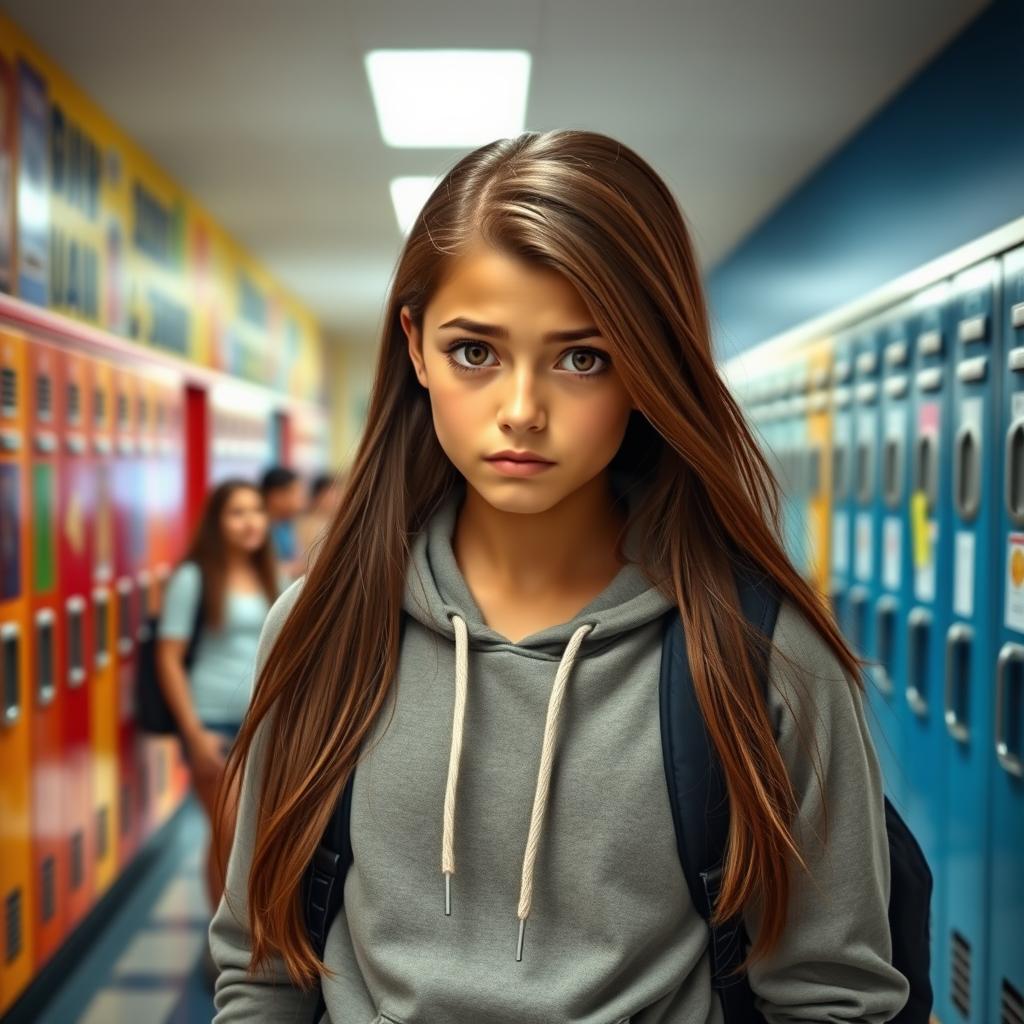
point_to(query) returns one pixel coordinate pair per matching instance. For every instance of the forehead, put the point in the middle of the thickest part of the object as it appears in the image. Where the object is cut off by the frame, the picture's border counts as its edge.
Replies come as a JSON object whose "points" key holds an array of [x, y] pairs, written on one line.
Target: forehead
{"points": [[495, 287]]}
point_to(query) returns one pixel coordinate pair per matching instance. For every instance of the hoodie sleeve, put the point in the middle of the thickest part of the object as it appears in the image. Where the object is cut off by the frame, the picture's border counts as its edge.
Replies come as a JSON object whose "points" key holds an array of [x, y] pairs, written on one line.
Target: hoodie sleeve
{"points": [[833, 962], [269, 995]]}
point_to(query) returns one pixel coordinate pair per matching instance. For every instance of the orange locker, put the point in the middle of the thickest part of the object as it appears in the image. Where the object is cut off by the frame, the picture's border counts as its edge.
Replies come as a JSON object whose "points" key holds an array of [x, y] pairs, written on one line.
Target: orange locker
{"points": [[49, 836], [103, 706], [16, 961], [819, 436]]}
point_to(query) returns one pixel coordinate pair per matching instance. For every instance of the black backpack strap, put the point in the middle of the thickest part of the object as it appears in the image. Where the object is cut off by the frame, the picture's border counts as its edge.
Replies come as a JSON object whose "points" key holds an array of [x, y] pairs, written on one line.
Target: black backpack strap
{"points": [[197, 629], [323, 884], [697, 789]]}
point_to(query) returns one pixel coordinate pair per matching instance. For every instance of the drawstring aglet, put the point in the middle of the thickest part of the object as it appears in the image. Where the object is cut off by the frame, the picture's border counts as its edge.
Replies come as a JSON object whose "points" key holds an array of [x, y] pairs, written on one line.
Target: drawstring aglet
{"points": [[448, 894], [519, 943]]}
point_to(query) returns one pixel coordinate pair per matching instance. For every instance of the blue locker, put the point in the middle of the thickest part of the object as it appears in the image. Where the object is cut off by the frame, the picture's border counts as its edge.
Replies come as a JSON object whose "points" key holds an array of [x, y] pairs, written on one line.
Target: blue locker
{"points": [[970, 636], [928, 542], [1006, 761], [868, 603], [842, 491], [892, 589]]}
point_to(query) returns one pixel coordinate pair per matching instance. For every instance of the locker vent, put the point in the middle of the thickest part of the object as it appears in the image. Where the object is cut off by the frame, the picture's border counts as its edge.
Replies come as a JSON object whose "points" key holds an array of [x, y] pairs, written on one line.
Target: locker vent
{"points": [[126, 810], [960, 979], [1012, 1005], [77, 859], [99, 407], [102, 824], [48, 889], [44, 397], [74, 403], [9, 391], [13, 926]]}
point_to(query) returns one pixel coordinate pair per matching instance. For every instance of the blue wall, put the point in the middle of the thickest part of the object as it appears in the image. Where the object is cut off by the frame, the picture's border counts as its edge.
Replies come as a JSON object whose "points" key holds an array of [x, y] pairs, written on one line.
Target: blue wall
{"points": [[938, 166]]}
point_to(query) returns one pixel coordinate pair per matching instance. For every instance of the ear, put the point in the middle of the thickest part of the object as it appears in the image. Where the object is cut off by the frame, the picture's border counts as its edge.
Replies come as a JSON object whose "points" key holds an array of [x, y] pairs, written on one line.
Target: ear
{"points": [[415, 339]]}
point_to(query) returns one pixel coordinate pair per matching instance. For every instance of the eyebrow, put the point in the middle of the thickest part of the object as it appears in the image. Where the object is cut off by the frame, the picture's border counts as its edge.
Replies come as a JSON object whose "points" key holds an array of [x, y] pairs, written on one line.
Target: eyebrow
{"points": [[492, 331]]}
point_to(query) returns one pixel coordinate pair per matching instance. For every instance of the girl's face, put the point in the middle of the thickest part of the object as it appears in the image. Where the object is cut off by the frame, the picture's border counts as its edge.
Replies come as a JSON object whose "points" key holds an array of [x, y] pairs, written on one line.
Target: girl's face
{"points": [[514, 364], [243, 521]]}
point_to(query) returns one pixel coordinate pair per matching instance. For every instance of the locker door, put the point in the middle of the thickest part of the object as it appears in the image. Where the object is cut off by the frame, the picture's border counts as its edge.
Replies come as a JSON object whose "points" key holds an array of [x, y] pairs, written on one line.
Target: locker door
{"points": [[869, 605], [50, 836], [929, 520], [970, 655], [16, 866], [103, 705], [1006, 876], [819, 462], [841, 475], [74, 528], [126, 614], [893, 591]]}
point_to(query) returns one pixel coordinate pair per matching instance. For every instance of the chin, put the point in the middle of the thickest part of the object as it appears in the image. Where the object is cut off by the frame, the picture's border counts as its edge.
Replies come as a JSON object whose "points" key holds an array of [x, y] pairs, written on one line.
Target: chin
{"points": [[522, 497]]}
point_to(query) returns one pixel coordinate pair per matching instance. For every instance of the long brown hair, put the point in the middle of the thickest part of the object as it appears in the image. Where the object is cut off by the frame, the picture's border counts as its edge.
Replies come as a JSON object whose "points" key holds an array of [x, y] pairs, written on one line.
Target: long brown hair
{"points": [[209, 551], [591, 209]]}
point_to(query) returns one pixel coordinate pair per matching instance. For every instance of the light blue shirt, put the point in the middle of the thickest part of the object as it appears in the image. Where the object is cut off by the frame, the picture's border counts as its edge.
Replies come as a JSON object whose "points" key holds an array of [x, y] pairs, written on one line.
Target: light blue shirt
{"points": [[221, 675]]}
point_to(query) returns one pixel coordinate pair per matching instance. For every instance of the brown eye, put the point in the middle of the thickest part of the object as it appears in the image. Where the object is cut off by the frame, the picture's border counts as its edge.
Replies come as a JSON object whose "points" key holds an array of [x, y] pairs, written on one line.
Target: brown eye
{"points": [[476, 355], [584, 361]]}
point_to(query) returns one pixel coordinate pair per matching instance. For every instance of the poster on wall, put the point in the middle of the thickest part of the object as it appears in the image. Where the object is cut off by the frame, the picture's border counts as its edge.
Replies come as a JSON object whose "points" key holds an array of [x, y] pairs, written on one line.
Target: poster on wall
{"points": [[33, 187], [7, 127]]}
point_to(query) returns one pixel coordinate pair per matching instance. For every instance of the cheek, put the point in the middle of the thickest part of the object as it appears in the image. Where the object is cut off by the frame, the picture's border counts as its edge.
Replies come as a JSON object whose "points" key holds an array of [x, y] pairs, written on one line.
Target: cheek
{"points": [[459, 413], [597, 424]]}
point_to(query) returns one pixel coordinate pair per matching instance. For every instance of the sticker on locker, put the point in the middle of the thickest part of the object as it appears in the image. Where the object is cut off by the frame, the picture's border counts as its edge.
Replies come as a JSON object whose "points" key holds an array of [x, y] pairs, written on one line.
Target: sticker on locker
{"points": [[1015, 582], [862, 551], [841, 542], [963, 574], [892, 552]]}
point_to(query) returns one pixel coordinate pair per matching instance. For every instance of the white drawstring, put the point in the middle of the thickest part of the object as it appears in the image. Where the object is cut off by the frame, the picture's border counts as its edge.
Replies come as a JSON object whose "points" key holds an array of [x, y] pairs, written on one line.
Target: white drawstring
{"points": [[540, 799], [461, 682]]}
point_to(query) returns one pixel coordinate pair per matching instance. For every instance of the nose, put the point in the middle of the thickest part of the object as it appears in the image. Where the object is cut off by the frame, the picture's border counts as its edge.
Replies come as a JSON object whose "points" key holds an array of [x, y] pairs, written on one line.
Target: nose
{"points": [[522, 409]]}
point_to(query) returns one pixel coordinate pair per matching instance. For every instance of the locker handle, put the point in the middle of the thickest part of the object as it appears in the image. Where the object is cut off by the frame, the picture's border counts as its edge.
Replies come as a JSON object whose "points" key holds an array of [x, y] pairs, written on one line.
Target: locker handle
{"points": [[960, 636], [919, 622], [885, 620], [892, 475], [1015, 471], [926, 469], [967, 471], [1011, 762], [9, 637]]}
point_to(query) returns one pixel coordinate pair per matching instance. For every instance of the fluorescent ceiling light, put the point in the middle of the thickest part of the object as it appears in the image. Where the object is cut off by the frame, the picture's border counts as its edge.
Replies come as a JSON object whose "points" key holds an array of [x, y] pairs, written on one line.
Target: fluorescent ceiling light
{"points": [[448, 98], [408, 196]]}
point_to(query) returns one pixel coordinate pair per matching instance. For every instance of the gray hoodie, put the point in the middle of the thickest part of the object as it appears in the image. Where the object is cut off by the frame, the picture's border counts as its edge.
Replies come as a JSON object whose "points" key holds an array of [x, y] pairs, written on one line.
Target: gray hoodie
{"points": [[564, 901]]}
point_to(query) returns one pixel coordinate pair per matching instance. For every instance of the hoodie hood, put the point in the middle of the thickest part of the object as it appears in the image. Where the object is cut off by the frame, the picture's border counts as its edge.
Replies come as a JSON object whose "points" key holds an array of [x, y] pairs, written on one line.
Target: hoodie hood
{"points": [[436, 591]]}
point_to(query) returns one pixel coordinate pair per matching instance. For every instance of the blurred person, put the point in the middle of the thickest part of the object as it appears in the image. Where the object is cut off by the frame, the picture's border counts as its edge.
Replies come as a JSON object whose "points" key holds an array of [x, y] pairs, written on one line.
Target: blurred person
{"points": [[283, 494], [553, 475], [324, 496], [220, 594]]}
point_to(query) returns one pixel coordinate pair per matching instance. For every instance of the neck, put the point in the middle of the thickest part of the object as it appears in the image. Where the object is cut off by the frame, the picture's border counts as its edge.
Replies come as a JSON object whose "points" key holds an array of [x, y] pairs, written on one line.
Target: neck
{"points": [[536, 553]]}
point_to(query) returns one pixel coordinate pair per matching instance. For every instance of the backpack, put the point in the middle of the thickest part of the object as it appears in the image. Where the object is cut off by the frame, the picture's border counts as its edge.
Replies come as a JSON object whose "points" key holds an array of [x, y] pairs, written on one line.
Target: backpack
{"points": [[700, 815], [152, 714]]}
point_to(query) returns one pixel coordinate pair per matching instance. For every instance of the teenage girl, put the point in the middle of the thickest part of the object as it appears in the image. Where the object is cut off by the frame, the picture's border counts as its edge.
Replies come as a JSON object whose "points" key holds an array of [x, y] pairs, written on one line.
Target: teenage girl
{"points": [[551, 461], [229, 578]]}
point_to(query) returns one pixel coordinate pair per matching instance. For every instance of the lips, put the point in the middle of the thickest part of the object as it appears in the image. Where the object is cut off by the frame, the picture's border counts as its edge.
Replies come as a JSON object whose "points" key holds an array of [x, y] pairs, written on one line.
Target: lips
{"points": [[511, 456]]}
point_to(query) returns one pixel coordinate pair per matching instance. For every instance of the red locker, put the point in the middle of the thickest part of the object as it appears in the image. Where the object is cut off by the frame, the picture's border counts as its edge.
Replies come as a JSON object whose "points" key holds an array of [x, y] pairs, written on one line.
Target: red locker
{"points": [[50, 837], [126, 500], [75, 506]]}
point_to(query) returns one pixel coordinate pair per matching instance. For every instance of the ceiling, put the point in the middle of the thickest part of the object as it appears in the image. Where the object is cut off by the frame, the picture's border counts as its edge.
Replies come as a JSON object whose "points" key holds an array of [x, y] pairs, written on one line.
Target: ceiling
{"points": [[261, 108]]}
